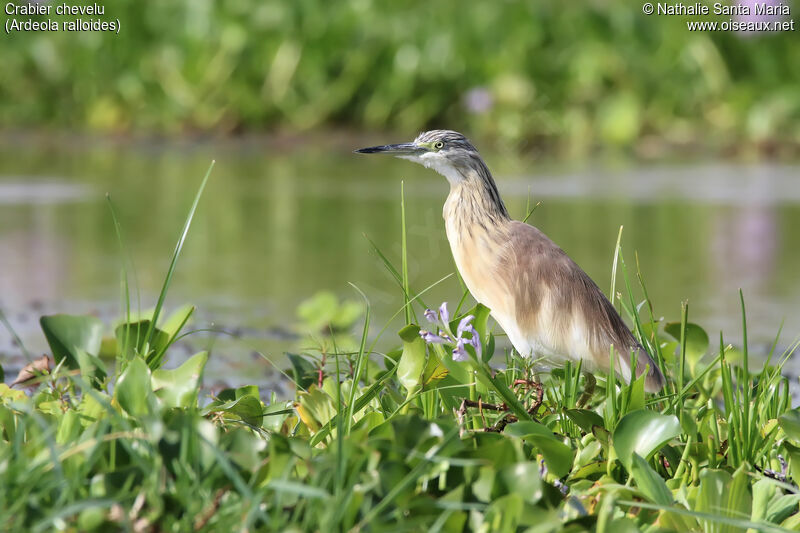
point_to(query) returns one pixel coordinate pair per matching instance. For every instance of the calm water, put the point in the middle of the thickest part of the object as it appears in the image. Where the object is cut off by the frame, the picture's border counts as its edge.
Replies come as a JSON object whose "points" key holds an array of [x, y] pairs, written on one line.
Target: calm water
{"points": [[280, 222]]}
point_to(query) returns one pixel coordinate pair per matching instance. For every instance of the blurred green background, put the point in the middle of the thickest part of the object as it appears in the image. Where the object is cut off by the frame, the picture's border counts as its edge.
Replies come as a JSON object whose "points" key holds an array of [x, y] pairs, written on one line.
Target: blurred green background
{"points": [[608, 117], [566, 76]]}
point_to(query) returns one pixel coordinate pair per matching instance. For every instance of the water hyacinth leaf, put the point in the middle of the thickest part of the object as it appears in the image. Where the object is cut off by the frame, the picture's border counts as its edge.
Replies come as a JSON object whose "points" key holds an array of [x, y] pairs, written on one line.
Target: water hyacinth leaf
{"points": [[178, 387], [723, 494], [248, 408], [362, 401], [303, 371], [132, 340], [275, 414], [323, 313], [69, 427], [696, 340], [315, 408], [633, 395], [242, 446], [643, 432], [483, 485], [649, 482], [557, 456], [528, 428], [790, 423], [505, 513], [66, 334], [522, 479], [133, 391], [93, 406], [794, 458], [92, 367], [488, 352], [481, 321], [782, 508], [763, 492], [9, 394], [412, 362], [173, 325], [585, 419], [243, 402], [8, 425]]}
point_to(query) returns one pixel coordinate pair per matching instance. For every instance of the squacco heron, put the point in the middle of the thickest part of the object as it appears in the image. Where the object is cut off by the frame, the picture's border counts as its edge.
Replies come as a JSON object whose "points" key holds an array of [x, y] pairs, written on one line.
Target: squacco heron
{"points": [[547, 305]]}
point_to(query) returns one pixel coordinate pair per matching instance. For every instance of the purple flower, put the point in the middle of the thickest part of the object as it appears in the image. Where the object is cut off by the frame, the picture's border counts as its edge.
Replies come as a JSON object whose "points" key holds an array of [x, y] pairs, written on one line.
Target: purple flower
{"points": [[475, 341], [464, 325], [444, 314], [430, 315], [431, 338], [460, 353]]}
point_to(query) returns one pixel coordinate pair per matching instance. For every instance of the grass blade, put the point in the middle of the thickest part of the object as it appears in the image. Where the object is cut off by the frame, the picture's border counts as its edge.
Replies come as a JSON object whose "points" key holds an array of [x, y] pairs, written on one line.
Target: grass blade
{"points": [[175, 254]]}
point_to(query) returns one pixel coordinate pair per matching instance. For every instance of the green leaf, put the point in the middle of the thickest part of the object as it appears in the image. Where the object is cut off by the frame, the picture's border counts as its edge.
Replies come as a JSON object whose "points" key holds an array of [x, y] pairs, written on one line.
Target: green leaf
{"points": [[67, 334], [649, 482], [434, 369], [133, 391], [643, 432], [69, 428], [275, 414], [178, 387], [505, 513], [303, 371], [412, 361], [132, 341], [92, 367], [248, 408], [725, 495], [244, 402], [362, 401], [481, 320], [633, 395], [527, 429], [557, 456], [522, 479], [696, 340], [790, 423], [315, 407], [585, 419], [172, 326]]}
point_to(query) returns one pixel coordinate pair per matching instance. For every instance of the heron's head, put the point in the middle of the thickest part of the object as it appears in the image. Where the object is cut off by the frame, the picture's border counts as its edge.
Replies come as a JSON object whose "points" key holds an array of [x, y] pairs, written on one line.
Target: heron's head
{"points": [[447, 152]]}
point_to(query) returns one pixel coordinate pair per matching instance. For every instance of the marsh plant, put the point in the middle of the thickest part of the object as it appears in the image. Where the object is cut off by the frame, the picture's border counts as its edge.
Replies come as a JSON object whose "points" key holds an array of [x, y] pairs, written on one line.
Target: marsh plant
{"points": [[434, 429]]}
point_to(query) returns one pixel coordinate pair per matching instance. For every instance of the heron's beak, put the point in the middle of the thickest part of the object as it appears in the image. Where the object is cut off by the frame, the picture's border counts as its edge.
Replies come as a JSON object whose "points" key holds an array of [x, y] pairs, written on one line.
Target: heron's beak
{"points": [[394, 149]]}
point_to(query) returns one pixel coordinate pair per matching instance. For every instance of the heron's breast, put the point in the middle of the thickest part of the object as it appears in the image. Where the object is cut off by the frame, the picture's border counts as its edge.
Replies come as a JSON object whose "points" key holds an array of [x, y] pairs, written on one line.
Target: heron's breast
{"points": [[478, 254]]}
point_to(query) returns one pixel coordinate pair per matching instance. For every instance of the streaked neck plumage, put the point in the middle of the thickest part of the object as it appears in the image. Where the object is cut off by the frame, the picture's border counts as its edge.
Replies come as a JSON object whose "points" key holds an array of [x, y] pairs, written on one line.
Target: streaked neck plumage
{"points": [[473, 199]]}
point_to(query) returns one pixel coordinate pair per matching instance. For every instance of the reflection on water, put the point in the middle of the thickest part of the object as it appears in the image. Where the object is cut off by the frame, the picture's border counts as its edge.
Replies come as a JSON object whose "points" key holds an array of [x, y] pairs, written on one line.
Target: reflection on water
{"points": [[277, 225]]}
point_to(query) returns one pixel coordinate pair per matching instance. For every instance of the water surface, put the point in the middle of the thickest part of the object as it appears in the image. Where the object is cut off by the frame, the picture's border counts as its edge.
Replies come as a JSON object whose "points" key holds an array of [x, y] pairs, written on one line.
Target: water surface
{"points": [[280, 221]]}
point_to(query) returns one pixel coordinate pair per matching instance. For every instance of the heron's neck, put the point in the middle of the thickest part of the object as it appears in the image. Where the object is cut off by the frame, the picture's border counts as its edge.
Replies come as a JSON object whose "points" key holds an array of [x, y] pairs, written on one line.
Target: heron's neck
{"points": [[474, 201], [473, 191]]}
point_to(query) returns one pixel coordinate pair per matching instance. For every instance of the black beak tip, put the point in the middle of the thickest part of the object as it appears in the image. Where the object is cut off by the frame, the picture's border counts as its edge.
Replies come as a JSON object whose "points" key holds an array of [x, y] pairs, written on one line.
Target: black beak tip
{"points": [[370, 150]]}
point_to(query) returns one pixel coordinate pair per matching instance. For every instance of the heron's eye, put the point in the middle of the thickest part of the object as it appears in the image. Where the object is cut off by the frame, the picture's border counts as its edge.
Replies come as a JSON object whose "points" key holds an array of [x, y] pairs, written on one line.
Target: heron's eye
{"points": [[438, 145]]}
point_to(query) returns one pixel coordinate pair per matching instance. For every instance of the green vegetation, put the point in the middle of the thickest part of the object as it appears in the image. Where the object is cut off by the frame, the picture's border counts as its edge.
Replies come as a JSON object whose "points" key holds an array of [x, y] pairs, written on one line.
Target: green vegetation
{"points": [[570, 75], [404, 439]]}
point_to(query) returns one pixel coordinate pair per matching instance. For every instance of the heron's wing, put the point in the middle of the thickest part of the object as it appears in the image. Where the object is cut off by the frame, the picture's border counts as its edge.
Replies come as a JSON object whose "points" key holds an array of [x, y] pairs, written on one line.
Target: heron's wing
{"points": [[548, 285]]}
